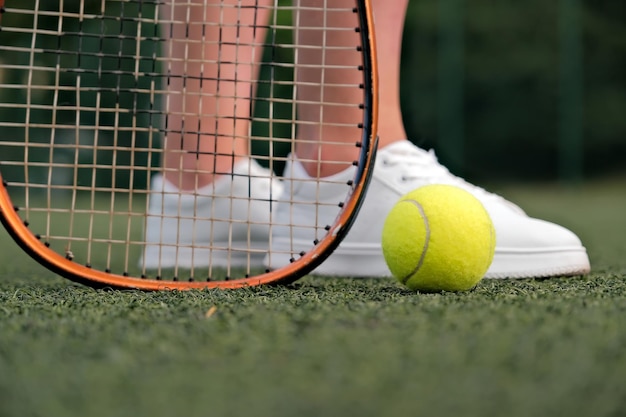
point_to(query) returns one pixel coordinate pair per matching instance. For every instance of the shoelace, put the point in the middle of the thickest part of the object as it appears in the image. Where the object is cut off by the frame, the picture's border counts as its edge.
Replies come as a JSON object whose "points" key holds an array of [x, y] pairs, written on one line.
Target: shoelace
{"points": [[416, 164]]}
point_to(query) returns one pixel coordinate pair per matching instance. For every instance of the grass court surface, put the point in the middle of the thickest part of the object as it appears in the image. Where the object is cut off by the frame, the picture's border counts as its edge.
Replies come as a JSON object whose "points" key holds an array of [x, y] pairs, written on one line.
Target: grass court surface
{"points": [[330, 347]]}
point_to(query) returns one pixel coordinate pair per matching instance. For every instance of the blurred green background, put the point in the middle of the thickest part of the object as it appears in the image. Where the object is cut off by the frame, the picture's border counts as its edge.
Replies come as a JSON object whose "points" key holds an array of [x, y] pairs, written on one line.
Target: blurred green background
{"points": [[531, 90], [528, 89]]}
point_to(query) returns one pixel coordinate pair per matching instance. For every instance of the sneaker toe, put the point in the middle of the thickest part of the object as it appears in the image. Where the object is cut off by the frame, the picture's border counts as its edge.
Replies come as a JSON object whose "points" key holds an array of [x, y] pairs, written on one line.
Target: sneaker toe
{"points": [[529, 247]]}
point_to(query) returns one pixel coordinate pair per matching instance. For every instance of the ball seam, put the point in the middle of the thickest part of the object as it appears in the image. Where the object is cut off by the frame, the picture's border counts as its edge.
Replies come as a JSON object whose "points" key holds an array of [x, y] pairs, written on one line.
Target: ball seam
{"points": [[426, 240]]}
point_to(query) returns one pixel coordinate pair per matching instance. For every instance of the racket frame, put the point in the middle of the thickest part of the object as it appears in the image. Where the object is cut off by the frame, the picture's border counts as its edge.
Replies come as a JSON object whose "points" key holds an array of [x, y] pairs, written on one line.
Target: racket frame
{"points": [[83, 274]]}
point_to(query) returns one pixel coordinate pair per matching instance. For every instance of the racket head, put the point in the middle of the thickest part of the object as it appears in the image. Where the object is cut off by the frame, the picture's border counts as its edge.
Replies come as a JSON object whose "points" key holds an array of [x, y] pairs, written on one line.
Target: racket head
{"points": [[82, 142]]}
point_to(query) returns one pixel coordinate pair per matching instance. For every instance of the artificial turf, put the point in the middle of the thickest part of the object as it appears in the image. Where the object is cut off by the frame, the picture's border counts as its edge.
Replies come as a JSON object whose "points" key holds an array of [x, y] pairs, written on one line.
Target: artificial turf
{"points": [[330, 347]]}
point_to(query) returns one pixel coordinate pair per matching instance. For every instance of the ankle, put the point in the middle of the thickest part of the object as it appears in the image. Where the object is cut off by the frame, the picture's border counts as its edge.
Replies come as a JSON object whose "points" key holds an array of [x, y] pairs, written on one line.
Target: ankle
{"points": [[201, 175]]}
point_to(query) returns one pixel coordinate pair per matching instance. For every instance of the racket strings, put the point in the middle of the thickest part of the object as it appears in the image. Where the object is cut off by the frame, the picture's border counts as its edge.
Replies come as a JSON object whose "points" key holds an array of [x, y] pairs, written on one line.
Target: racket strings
{"points": [[91, 94]]}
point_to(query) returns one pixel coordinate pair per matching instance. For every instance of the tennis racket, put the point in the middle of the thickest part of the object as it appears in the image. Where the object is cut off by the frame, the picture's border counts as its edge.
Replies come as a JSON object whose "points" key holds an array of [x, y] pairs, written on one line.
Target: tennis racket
{"points": [[143, 143]]}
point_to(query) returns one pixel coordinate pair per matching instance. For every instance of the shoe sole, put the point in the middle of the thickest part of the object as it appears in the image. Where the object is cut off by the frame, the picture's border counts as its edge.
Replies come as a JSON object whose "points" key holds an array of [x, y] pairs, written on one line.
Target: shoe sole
{"points": [[535, 264], [165, 257]]}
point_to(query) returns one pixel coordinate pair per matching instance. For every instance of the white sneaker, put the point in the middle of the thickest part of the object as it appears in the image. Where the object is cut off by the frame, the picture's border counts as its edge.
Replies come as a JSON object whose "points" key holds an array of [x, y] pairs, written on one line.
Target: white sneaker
{"points": [[223, 224], [525, 247]]}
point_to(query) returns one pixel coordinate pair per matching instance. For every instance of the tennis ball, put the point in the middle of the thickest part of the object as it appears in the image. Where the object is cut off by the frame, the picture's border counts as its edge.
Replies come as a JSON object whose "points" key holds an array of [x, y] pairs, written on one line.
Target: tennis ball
{"points": [[438, 238]]}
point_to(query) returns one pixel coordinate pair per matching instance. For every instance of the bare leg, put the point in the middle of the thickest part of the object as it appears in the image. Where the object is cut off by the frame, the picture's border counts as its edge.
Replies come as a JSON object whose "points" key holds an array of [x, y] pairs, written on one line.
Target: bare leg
{"points": [[315, 147], [214, 56], [389, 29]]}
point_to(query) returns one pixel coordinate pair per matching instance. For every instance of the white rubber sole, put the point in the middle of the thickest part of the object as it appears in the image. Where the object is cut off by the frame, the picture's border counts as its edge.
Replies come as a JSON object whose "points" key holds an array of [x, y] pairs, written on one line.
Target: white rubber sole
{"points": [[157, 256], [539, 264]]}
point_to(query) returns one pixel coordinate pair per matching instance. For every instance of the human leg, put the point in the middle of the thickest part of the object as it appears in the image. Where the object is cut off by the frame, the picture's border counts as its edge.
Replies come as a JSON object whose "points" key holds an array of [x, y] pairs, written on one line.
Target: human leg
{"points": [[323, 75], [212, 204], [212, 62]]}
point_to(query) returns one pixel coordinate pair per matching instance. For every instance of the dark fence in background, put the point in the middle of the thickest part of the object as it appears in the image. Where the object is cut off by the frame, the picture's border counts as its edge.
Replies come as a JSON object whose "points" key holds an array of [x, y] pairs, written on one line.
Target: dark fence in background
{"points": [[513, 89], [517, 90]]}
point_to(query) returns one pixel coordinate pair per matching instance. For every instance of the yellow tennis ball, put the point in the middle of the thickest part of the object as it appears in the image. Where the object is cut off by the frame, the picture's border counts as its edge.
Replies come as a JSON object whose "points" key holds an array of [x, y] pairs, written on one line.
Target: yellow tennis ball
{"points": [[438, 238]]}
